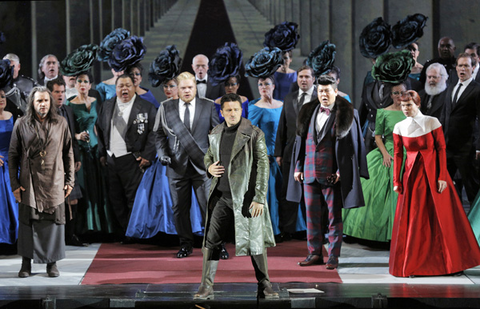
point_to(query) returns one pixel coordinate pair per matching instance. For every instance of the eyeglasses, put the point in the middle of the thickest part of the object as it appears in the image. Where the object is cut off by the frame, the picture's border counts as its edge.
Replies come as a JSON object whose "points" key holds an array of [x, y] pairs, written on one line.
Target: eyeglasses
{"points": [[231, 85], [169, 86], [400, 93]]}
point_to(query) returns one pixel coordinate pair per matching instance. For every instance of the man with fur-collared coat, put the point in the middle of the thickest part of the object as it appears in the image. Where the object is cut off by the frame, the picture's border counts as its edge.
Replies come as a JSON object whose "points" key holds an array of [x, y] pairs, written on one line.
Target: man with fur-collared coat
{"points": [[330, 158], [238, 162]]}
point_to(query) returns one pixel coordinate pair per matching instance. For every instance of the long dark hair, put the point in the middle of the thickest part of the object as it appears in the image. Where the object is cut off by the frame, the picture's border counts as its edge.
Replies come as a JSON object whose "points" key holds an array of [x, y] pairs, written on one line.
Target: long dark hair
{"points": [[31, 114]]}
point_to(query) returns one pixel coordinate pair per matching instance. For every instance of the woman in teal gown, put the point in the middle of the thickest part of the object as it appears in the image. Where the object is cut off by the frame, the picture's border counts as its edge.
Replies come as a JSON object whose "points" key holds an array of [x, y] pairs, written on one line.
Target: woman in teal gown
{"points": [[94, 213], [265, 114], [474, 217], [8, 205], [375, 220]]}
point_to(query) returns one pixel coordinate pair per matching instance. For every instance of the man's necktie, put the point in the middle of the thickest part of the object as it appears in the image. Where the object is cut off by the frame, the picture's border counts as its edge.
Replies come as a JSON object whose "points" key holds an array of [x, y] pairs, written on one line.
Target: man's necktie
{"points": [[201, 81], [325, 110], [186, 116], [302, 100], [455, 97]]}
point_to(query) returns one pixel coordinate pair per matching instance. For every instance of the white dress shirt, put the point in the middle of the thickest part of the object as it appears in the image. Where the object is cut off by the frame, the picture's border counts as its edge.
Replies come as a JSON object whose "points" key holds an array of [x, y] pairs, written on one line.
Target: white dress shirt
{"points": [[202, 88], [182, 107], [322, 117], [464, 86], [308, 95], [117, 144]]}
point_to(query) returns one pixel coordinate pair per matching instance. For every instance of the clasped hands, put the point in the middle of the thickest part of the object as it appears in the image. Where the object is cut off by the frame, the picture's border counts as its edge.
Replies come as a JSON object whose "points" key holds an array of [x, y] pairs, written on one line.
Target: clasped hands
{"points": [[18, 192]]}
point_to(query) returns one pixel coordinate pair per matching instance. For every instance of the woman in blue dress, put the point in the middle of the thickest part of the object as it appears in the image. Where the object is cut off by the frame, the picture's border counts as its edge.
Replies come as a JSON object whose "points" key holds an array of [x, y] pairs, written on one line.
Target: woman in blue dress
{"points": [[265, 114], [231, 86], [94, 213], [284, 77], [107, 87], [136, 72], [152, 210], [8, 205]]}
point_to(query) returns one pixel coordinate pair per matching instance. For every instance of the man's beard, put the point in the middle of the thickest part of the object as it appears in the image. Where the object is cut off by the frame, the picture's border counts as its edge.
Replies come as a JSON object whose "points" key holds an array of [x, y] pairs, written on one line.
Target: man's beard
{"points": [[434, 90]]}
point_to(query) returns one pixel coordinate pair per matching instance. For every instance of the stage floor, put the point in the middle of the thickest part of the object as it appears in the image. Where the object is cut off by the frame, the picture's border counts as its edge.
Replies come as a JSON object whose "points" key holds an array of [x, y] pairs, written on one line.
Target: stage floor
{"points": [[363, 270]]}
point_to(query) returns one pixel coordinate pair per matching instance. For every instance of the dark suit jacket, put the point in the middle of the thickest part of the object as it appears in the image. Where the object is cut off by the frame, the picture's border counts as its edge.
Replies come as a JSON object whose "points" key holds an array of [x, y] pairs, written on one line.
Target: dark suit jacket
{"points": [[175, 141], [287, 126], [213, 92], [70, 117], [459, 121], [437, 103], [138, 141]]}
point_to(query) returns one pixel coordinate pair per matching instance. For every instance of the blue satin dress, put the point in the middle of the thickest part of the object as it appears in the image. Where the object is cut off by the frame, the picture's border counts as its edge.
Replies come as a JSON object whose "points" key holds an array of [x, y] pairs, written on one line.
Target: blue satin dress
{"points": [[8, 206]]}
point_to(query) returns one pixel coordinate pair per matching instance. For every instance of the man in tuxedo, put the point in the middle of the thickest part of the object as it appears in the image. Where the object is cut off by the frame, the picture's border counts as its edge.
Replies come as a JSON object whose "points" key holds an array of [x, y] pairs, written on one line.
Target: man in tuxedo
{"points": [[57, 88], [446, 57], [285, 139], [330, 159], [182, 141], [48, 69], [433, 95], [205, 89], [126, 144], [461, 110]]}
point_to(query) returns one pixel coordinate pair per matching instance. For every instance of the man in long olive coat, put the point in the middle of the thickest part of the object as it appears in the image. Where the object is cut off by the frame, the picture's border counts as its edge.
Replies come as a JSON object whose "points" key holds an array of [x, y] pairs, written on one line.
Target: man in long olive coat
{"points": [[238, 162]]}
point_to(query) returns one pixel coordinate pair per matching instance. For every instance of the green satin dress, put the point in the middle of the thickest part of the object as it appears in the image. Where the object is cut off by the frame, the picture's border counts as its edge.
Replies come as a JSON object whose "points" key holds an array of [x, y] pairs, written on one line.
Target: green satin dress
{"points": [[375, 220]]}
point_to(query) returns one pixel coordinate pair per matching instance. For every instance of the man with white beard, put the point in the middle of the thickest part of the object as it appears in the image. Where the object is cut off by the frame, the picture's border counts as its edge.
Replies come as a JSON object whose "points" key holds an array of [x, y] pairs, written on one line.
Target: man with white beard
{"points": [[433, 96]]}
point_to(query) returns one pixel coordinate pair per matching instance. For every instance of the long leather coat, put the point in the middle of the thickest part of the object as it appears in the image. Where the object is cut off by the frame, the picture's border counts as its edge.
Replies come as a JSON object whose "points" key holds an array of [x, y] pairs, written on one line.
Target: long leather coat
{"points": [[248, 173]]}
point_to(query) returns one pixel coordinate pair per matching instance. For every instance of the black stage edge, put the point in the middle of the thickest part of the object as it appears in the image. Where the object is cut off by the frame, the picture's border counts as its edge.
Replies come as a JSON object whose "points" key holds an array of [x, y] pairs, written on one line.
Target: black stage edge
{"points": [[241, 295]]}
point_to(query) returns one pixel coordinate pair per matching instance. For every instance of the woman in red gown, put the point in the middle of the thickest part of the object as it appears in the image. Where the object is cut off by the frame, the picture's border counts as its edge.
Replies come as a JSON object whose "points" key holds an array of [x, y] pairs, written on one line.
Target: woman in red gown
{"points": [[431, 233]]}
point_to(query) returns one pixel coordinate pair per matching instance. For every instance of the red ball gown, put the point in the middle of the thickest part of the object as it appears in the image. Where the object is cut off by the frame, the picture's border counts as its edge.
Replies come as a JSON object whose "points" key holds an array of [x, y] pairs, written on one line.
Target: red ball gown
{"points": [[431, 233]]}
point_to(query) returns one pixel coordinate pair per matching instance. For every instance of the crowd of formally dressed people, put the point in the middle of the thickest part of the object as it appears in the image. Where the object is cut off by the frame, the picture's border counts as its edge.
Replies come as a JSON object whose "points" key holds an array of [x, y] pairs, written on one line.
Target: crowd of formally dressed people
{"points": [[126, 166]]}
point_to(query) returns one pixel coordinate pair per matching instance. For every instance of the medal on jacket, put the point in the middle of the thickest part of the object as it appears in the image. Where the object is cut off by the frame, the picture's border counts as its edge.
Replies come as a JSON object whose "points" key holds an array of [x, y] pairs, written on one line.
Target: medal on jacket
{"points": [[141, 120]]}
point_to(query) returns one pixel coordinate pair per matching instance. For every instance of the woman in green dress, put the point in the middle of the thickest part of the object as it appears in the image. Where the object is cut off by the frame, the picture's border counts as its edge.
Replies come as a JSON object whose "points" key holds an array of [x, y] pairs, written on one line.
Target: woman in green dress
{"points": [[94, 215], [375, 220]]}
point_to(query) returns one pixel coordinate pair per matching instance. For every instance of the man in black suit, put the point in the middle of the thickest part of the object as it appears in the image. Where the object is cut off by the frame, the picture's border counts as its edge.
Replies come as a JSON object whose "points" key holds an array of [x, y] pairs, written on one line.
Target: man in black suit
{"points": [[461, 109], [182, 141], [446, 57], [433, 95], [205, 89], [473, 49], [57, 88], [17, 93], [126, 144], [285, 139]]}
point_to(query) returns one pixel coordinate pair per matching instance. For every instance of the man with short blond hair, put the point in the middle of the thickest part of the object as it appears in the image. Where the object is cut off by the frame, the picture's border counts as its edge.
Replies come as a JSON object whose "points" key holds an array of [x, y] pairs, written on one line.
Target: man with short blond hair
{"points": [[182, 141]]}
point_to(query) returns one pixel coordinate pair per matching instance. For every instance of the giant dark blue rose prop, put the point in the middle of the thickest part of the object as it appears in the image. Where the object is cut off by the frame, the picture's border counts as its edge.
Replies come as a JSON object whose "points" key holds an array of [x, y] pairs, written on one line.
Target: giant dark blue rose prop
{"points": [[393, 67], [6, 73], [284, 36], [408, 30], [264, 63], [225, 63], [322, 58], [165, 67], [110, 41], [80, 60], [127, 53], [375, 38]]}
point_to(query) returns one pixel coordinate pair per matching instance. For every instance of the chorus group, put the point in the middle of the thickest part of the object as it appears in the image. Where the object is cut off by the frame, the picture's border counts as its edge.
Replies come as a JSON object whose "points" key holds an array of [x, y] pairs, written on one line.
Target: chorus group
{"points": [[82, 161]]}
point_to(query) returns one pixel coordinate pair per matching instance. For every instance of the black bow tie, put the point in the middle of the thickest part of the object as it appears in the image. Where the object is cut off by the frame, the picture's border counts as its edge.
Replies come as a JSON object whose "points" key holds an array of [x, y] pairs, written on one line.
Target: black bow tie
{"points": [[201, 81]]}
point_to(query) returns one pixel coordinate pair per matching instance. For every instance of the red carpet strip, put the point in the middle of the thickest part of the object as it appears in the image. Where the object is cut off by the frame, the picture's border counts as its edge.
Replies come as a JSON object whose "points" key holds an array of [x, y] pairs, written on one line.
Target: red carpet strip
{"points": [[142, 263]]}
